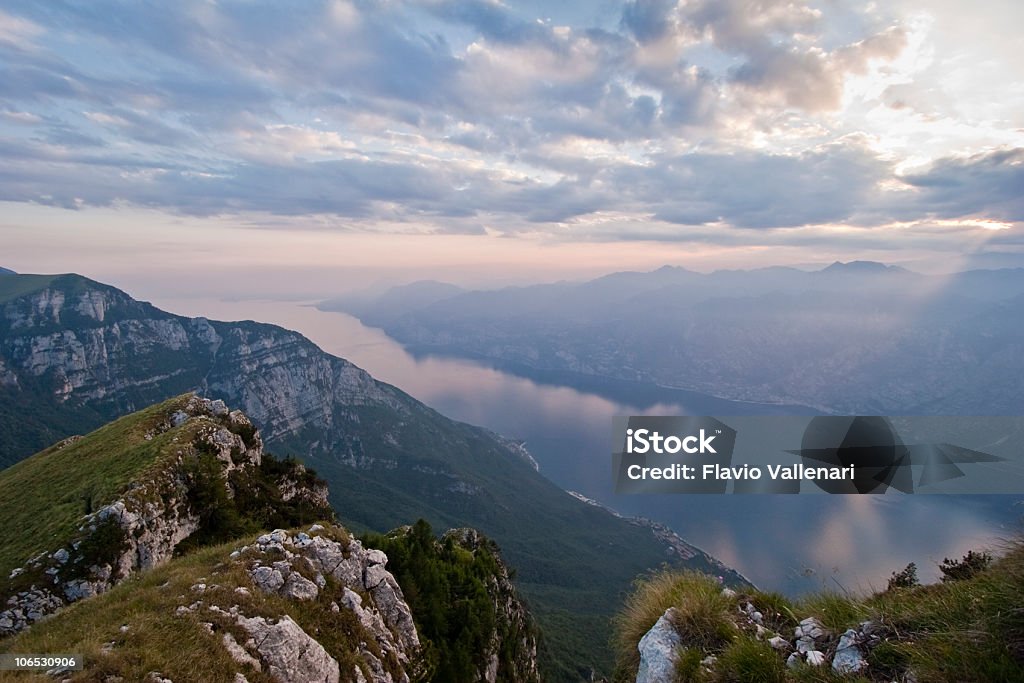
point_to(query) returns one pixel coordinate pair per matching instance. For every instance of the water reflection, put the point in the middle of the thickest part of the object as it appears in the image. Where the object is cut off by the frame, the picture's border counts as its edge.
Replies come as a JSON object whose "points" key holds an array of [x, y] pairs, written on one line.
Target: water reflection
{"points": [[789, 543]]}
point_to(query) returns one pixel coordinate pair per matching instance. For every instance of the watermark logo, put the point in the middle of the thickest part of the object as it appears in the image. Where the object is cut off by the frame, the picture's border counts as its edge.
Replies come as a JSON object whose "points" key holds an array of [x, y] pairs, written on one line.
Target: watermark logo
{"points": [[835, 454]]}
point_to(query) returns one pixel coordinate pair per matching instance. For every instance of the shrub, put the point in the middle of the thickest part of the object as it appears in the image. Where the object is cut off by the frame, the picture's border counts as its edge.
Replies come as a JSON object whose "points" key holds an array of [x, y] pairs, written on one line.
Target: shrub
{"points": [[970, 565], [905, 578]]}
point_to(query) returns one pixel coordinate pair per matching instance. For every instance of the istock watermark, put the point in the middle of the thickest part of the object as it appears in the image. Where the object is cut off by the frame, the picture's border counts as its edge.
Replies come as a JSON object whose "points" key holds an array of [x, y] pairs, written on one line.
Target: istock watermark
{"points": [[821, 454]]}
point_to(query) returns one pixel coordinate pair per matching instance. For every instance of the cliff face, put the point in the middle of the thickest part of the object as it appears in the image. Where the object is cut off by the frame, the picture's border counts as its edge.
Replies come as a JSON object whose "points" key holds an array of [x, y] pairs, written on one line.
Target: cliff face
{"points": [[75, 354]]}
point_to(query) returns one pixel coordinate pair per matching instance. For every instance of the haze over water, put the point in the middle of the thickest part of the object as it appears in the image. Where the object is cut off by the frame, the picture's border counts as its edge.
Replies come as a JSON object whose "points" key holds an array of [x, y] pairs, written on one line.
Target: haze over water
{"points": [[790, 543]]}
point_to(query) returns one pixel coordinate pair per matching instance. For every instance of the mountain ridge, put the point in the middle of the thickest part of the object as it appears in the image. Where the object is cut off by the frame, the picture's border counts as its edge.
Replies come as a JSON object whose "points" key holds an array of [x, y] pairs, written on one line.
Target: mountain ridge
{"points": [[855, 338], [73, 354], [167, 554]]}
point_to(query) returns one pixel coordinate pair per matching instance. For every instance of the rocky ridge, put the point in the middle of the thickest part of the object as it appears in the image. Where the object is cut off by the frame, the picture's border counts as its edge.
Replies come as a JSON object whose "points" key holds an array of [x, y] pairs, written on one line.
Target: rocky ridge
{"points": [[145, 526], [306, 604], [324, 566]]}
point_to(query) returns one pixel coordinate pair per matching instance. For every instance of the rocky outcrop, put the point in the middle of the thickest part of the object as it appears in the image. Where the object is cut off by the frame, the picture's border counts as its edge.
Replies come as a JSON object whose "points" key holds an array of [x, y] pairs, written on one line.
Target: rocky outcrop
{"points": [[659, 650], [145, 526], [512, 645], [90, 345], [298, 567], [288, 652], [327, 568], [811, 643]]}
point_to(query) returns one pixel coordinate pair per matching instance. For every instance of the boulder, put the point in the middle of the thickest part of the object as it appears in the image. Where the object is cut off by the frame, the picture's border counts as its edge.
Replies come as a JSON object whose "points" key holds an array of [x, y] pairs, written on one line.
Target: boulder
{"points": [[289, 653], [659, 650]]}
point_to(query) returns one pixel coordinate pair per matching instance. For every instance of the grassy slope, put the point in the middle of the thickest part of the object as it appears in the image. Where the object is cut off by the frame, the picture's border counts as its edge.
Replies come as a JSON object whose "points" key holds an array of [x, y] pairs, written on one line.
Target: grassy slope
{"points": [[179, 647], [969, 631], [15, 286], [156, 640], [43, 498]]}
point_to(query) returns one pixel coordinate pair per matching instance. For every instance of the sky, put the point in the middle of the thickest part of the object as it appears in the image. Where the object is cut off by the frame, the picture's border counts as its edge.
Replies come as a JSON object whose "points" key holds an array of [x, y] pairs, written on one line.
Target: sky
{"points": [[310, 147]]}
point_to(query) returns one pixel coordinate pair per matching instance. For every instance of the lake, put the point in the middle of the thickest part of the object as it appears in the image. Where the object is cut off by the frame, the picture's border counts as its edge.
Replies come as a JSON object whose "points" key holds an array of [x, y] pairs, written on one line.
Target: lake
{"points": [[793, 544]]}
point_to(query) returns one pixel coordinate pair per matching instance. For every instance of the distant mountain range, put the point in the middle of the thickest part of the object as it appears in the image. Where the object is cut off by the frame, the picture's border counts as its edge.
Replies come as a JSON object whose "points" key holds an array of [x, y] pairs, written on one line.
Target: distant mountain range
{"points": [[7, 271], [75, 353], [858, 337]]}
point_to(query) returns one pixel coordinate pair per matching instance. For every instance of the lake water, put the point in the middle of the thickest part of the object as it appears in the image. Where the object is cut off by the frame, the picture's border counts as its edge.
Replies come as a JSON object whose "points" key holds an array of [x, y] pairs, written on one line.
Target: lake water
{"points": [[793, 544]]}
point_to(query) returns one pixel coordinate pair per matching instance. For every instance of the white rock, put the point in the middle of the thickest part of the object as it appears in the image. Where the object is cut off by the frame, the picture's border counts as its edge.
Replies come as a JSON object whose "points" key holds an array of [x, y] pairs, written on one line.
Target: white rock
{"points": [[848, 657], [375, 574], [267, 579], [815, 658], [659, 650], [238, 652], [779, 643], [298, 587], [374, 556], [289, 653], [813, 628]]}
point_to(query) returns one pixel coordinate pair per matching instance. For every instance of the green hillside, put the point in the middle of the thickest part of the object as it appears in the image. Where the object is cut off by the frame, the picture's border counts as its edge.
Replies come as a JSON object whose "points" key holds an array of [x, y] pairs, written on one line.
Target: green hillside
{"points": [[43, 498]]}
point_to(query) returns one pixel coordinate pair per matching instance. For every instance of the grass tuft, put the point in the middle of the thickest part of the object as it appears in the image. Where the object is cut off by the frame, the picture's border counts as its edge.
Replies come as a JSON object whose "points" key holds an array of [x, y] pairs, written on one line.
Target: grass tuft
{"points": [[969, 630], [702, 615], [749, 661]]}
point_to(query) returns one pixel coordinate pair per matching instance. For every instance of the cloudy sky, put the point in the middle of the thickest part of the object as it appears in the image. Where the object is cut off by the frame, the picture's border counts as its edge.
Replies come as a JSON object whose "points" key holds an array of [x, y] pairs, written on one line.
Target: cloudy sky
{"points": [[475, 138]]}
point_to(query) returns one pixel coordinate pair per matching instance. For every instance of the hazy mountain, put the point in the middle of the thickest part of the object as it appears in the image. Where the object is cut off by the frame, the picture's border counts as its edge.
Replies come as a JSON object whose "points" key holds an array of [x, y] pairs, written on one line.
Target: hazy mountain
{"points": [[394, 301], [7, 271], [75, 353], [851, 337]]}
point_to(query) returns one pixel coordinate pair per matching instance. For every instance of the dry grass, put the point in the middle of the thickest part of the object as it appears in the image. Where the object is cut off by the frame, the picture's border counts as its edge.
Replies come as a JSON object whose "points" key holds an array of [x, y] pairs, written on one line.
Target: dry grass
{"points": [[703, 615], [969, 631]]}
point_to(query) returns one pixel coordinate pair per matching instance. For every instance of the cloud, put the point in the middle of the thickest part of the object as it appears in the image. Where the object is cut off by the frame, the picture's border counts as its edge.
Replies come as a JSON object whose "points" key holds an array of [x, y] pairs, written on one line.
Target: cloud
{"points": [[989, 184], [452, 115]]}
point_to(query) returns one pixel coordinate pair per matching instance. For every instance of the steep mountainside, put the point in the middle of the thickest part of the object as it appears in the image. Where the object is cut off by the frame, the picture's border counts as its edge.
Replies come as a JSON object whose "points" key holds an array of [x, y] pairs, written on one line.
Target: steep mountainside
{"points": [[851, 338], [129, 524], [74, 353]]}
